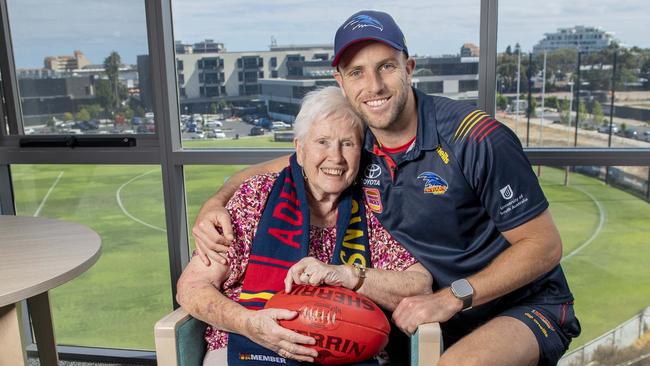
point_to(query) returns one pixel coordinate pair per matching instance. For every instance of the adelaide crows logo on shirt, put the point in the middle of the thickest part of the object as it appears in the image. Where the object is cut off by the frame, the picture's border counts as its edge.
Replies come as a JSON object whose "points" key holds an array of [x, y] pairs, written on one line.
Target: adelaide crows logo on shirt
{"points": [[433, 183]]}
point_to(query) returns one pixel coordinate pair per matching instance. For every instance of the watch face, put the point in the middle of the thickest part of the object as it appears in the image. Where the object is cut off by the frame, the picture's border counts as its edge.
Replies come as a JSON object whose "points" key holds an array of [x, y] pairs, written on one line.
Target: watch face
{"points": [[462, 288]]}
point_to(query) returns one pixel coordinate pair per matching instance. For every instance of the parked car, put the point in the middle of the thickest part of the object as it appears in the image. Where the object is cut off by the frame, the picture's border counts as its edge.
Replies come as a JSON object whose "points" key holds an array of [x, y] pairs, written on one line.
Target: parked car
{"points": [[630, 133], [213, 124], [279, 125], [605, 129], [216, 134], [256, 131], [646, 135], [197, 135]]}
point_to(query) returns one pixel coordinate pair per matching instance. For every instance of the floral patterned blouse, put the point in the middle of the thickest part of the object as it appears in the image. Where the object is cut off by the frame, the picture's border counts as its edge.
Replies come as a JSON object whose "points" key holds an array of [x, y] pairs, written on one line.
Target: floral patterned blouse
{"points": [[246, 207]]}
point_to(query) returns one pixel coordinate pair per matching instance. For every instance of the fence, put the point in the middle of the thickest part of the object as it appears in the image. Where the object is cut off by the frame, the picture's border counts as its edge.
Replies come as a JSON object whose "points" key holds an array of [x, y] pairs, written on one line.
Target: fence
{"points": [[616, 177], [621, 336]]}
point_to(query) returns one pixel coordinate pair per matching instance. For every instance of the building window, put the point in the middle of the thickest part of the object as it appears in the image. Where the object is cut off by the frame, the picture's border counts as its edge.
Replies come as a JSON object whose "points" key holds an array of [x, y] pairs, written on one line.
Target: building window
{"points": [[274, 74], [274, 61], [467, 85], [179, 65]]}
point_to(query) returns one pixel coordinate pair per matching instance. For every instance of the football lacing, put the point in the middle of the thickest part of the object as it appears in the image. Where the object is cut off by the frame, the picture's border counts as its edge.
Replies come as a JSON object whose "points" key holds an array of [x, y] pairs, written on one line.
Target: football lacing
{"points": [[320, 315]]}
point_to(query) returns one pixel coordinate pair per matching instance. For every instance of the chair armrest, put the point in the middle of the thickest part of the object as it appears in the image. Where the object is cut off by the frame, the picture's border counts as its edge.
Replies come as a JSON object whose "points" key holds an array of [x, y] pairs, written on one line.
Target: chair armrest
{"points": [[426, 345], [179, 340]]}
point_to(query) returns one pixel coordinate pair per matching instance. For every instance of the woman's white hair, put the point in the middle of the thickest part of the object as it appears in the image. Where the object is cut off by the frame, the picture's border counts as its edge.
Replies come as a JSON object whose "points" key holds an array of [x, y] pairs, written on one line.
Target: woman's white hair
{"points": [[328, 102]]}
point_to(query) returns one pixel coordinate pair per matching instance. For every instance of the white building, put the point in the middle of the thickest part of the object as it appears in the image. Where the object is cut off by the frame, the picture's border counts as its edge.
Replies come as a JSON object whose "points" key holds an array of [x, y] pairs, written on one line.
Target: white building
{"points": [[237, 74], [585, 39]]}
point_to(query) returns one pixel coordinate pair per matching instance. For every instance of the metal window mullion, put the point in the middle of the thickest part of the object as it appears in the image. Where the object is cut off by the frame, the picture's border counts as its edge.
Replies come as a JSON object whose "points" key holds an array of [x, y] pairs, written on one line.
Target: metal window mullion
{"points": [[166, 109], [7, 206], [488, 56], [588, 156], [9, 79]]}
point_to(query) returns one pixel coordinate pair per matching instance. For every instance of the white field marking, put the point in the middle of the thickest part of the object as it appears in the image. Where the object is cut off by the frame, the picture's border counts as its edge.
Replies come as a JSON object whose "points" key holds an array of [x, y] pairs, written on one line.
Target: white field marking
{"points": [[119, 202], [601, 214], [47, 195]]}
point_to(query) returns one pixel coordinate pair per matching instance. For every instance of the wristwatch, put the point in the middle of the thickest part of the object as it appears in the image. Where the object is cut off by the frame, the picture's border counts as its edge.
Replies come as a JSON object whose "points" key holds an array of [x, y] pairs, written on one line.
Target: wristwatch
{"points": [[361, 273], [464, 292]]}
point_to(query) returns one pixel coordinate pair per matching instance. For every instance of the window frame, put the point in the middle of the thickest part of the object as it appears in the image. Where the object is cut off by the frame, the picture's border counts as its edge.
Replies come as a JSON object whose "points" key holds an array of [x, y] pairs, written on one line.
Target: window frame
{"points": [[165, 148]]}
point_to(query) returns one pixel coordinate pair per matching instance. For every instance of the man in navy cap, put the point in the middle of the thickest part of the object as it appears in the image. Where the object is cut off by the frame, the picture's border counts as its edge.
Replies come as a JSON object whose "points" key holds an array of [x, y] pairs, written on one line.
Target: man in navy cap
{"points": [[454, 186]]}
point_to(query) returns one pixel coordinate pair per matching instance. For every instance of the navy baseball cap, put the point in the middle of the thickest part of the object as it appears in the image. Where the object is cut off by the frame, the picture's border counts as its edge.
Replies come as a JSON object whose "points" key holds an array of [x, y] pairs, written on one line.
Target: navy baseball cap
{"points": [[368, 25]]}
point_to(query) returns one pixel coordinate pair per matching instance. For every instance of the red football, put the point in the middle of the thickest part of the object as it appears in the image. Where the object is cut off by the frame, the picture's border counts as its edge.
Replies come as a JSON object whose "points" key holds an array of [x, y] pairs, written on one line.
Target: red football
{"points": [[348, 327]]}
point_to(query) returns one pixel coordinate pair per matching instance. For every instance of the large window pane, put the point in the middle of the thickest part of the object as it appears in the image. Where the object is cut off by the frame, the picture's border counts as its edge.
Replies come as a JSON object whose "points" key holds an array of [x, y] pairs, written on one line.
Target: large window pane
{"points": [[566, 52], [201, 181], [244, 88], [81, 66], [604, 229], [117, 301]]}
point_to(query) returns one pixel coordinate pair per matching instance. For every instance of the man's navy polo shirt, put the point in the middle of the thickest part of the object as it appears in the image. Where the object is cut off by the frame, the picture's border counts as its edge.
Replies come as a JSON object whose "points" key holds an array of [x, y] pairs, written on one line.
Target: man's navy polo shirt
{"points": [[464, 180]]}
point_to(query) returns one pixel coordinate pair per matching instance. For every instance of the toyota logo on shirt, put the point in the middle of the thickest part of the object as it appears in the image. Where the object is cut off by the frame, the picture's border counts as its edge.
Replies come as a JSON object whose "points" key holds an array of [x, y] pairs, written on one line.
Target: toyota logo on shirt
{"points": [[373, 171]]}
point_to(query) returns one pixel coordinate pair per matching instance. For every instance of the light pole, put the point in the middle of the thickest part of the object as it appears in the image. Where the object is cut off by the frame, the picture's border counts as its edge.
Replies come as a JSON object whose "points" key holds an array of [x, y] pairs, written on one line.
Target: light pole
{"points": [[518, 79], [541, 121]]}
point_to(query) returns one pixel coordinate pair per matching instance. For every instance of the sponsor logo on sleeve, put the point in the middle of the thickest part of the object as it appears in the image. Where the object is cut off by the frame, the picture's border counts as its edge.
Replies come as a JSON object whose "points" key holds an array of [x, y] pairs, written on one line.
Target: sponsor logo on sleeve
{"points": [[506, 192], [433, 183], [513, 201], [373, 198]]}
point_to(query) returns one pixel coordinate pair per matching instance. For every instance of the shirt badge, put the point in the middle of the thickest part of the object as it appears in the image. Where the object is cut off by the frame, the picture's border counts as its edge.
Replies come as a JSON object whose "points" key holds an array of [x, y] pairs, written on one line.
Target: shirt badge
{"points": [[433, 183], [374, 199]]}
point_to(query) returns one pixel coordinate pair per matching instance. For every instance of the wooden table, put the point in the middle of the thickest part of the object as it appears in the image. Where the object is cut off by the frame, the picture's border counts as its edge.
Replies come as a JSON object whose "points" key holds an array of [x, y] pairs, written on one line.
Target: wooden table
{"points": [[36, 255]]}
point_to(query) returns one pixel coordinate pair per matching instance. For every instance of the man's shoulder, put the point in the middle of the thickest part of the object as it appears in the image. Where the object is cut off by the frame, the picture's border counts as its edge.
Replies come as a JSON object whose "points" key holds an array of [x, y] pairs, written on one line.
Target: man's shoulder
{"points": [[463, 125]]}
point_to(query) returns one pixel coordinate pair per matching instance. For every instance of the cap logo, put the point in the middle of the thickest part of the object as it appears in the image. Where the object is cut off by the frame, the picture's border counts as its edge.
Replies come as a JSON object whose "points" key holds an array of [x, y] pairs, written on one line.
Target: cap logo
{"points": [[363, 21]]}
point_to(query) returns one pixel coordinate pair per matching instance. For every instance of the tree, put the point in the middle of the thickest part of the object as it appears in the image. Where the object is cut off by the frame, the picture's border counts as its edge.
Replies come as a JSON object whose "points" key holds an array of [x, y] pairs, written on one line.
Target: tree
{"points": [[597, 113], [67, 116], [112, 68], [139, 111], [565, 113], [502, 102], [508, 50], [583, 113], [552, 102], [213, 108], [83, 115], [128, 113]]}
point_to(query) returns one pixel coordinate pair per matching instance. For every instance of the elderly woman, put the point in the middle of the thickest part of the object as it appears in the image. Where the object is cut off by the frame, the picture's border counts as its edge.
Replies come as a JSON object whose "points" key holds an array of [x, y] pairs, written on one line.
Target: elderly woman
{"points": [[306, 225]]}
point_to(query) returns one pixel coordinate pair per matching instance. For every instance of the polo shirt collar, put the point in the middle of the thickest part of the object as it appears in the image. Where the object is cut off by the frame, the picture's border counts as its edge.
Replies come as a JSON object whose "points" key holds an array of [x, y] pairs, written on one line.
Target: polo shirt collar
{"points": [[427, 133]]}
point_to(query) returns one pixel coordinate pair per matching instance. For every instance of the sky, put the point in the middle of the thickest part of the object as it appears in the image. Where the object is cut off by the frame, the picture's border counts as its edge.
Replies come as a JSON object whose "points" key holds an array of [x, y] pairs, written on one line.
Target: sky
{"points": [[432, 27]]}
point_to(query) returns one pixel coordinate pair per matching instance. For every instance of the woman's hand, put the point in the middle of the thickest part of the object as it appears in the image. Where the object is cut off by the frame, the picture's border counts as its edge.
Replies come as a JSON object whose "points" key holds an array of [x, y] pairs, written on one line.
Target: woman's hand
{"points": [[262, 328], [311, 271]]}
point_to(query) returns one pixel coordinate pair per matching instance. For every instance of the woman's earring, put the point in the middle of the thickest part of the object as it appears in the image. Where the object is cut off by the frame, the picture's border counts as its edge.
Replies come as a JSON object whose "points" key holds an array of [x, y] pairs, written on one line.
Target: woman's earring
{"points": [[304, 176]]}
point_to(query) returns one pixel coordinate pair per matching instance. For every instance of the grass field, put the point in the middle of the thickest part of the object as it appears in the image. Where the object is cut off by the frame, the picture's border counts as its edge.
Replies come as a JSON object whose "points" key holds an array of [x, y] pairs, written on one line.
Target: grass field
{"points": [[117, 301]]}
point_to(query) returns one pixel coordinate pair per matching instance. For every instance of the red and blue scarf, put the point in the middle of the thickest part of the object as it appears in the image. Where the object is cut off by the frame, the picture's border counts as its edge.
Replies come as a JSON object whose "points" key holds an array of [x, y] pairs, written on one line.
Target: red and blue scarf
{"points": [[282, 239]]}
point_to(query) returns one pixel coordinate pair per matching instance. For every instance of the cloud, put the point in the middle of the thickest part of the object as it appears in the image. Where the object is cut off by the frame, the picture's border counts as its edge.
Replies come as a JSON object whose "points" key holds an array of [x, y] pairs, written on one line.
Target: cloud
{"points": [[432, 27]]}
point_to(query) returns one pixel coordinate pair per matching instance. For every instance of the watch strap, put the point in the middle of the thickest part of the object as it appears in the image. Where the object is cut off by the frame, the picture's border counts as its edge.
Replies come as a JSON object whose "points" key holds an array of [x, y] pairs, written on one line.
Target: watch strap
{"points": [[361, 274]]}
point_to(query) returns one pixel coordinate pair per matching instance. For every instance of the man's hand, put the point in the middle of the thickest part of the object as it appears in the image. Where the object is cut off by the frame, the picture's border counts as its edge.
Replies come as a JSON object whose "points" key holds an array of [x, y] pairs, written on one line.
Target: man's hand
{"points": [[415, 310], [262, 328], [311, 271], [210, 244]]}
